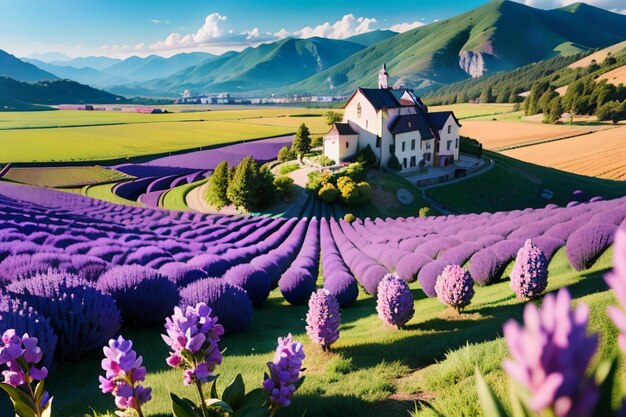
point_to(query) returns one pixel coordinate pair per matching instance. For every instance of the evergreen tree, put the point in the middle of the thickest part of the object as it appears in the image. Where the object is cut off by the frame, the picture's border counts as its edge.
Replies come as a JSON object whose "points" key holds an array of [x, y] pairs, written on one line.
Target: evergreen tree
{"points": [[487, 96], [554, 111], [243, 188], [332, 117], [302, 141], [216, 192]]}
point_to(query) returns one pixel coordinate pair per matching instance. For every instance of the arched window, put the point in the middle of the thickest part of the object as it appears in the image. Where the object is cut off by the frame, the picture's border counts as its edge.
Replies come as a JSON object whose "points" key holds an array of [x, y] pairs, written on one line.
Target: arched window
{"points": [[358, 110]]}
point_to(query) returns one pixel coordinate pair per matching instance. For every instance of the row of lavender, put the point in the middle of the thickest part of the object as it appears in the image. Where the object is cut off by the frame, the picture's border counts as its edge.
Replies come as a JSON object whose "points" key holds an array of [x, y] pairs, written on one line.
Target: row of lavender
{"points": [[61, 254]]}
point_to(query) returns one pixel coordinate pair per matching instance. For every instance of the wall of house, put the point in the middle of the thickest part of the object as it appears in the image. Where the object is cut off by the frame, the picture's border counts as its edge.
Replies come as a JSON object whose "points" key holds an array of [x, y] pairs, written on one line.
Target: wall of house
{"points": [[366, 124], [339, 148], [452, 137], [421, 148]]}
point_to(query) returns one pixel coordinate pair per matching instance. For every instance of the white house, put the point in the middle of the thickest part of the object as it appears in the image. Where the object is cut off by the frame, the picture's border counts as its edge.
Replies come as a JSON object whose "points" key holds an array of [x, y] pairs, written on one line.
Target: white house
{"points": [[394, 122]]}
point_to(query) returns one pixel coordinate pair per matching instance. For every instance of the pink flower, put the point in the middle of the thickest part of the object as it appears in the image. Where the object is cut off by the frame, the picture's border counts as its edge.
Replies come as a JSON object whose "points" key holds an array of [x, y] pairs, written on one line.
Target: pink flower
{"points": [[616, 279]]}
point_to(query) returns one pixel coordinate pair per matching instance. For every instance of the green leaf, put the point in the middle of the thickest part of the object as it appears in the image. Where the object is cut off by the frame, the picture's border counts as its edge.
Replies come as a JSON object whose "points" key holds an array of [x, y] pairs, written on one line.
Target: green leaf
{"points": [[216, 402], [257, 397], [214, 387], [252, 411], [490, 404], [299, 382], [606, 375], [39, 391], [47, 412], [181, 408], [518, 402], [235, 391], [22, 403]]}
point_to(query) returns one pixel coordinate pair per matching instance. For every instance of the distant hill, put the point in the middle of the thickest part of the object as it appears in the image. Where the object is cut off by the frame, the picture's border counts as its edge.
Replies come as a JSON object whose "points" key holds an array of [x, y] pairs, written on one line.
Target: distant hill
{"points": [[136, 69], [50, 56], [599, 56], [84, 75], [13, 67], [500, 35], [17, 95], [370, 38], [263, 67], [96, 62]]}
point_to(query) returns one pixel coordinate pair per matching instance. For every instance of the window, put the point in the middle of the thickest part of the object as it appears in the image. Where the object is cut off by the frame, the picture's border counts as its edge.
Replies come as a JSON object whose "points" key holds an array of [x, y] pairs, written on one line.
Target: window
{"points": [[427, 157], [378, 141], [358, 110], [428, 146], [449, 129], [412, 144], [413, 163], [448, 145], [404, 162], [403, 146], [347, 145], [456, 145]]}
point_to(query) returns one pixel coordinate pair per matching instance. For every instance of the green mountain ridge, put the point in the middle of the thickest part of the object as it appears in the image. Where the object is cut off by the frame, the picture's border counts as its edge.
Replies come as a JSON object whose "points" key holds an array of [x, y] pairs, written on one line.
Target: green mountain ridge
{"points": [[13, 67]]}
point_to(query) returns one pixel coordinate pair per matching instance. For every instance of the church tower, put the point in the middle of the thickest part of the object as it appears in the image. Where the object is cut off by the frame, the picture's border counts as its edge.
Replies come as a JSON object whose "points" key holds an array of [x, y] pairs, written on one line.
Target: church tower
{"points": [[383, 77]]}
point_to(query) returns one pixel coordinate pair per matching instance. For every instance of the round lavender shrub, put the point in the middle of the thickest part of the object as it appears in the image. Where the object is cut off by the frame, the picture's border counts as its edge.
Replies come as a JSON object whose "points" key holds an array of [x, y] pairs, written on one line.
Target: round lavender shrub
{"points": [[296, 285], [409, 266], [455, 287], [342, 286], [323, 319], [15, 314], [394, 301], [144, 296], [529, 277], [372, 276], [256, 282], [229, 303], [427, 276], [586, 244], [82, 317], [181, 273], [213, 265], [486, 267]]}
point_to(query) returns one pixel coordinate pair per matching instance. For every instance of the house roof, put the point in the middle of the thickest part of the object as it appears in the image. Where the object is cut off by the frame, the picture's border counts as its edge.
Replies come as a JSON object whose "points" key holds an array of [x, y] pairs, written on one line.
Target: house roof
{"points": [[380, 98], [342, 129], [410, 123], [439, 118]]}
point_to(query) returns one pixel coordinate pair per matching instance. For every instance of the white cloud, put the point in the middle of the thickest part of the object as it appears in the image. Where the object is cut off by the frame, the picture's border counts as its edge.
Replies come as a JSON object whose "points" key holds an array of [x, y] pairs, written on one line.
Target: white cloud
{"points": [[253, 34], [405, 27], [552, 4], [212, 29], [344, 28], [623, 11]]}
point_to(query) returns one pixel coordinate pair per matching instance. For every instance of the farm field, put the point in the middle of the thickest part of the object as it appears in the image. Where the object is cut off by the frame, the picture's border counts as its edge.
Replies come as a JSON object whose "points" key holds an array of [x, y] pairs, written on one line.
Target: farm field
{"points": [[64, 177], [514, 184], [500, 134], [600, 154], [616, 76], [469, 110]]}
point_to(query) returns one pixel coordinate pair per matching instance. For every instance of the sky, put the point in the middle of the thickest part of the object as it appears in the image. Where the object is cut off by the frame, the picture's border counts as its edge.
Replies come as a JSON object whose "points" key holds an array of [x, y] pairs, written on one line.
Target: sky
{"points": [[121, 28]]}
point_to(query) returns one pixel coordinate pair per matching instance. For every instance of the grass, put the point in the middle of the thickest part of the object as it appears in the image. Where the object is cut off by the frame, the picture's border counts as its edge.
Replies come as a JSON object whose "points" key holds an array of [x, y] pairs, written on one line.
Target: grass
{"points": [[105, 192], [513, 184], [175, 199], [66, 177], [468, 110], [288, 167], [373, 370]]}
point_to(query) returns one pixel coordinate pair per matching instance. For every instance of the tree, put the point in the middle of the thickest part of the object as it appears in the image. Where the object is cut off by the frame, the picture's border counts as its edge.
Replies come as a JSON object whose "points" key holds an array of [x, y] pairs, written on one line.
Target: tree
{"points": [[317, 142], [554, 112], [487, 96], [332, 117], [302, 141], [613, 111], [244, 186], [367, 157], [216, 192], [265, 189], [393, 163], [283, 186], [328, 193], [285, 154]]}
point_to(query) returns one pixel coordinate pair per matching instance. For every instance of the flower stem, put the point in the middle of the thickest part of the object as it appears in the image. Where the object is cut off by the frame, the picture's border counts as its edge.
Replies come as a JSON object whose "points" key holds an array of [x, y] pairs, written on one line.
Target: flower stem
{"points": [[32, 395], [273, 410], [202, 403], [139, 412]]}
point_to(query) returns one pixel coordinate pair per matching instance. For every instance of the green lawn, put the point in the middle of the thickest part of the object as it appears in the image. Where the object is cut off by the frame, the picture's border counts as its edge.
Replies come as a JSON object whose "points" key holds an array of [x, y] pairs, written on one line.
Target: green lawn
{"points": [[513, 184], [105, 192], [175, 199], [373, 370]]}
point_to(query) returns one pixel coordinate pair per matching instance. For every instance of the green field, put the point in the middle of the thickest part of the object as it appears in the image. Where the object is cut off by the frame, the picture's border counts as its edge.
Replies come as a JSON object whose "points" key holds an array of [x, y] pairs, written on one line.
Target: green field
{"points": [[66, 177], [513, 184], [105, 192], [373, 370], [175, 199], [468, 110]]}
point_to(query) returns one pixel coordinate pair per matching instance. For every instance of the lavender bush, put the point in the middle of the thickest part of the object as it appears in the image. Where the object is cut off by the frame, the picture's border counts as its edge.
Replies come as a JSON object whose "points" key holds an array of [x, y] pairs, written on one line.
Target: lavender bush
{"points": [[284, 373], [297, 285], [254, 281], [323, 319], [394, 301], [587, 243], [529, 277], [455, 287], [616, 279]]}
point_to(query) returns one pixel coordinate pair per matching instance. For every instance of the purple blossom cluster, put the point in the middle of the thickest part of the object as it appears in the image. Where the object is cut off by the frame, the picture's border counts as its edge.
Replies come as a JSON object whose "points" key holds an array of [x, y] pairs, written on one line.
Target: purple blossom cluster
{"points": [[323, 319], [283, 378], [455, 287], [529, 277], [550, 356], [193, 336], [123, 374], [394, 304], [20, 355], [616, 279], [587, 243]]}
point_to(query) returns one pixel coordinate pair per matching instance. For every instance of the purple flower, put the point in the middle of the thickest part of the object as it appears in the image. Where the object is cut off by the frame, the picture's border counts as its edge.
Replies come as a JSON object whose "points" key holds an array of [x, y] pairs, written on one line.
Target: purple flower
{"points": [[395, 302], [529, 277], [284, 372], [193, 336], [455, 287], [550, 356], [617, 280], [123, 372], [323, 318]]}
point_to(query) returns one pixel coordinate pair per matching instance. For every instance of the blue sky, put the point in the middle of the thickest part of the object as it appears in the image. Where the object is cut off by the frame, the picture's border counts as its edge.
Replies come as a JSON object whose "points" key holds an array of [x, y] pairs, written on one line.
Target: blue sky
{"points": [[139, 27]]}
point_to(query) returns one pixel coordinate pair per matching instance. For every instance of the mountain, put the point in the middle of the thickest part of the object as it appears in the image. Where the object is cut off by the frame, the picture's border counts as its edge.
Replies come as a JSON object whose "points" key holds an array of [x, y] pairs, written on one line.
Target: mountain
{"points": [[138, 69], [17, 95], [263, 67], [500, 35], [85, 75], [370, 38], [96, 62], [10, 66], [50, 56]]}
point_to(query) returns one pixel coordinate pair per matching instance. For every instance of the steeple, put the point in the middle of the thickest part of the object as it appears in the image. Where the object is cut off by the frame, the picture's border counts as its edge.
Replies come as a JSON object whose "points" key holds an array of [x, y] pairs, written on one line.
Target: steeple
{"points": [[383, 77]]}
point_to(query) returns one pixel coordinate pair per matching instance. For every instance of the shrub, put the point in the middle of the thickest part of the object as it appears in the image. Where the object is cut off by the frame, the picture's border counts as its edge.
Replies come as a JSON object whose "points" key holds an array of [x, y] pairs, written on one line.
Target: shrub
{"points": [[15, 314], [285, 154], [485, 267], [283, 186], [315, 180], [427, 276], [217, 187], [83, 318], [393, 163], [287, 168], [529, 277], [372, 276], [213, 265], [409, 266], [394, 301], [425, 212], [349, 217], [367, 157], [332, 117], [586, 244], [143, 295], [342, 286], [325, 161], [296, 285], [229, 303], [455, 287], [317, 141], [182, 274], [256, 282], [323, 319], [328, 193]]}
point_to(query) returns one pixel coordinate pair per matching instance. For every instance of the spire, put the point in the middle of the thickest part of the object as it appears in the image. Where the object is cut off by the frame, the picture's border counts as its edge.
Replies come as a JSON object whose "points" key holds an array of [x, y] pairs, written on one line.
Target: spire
{"points": [[383, 77]]}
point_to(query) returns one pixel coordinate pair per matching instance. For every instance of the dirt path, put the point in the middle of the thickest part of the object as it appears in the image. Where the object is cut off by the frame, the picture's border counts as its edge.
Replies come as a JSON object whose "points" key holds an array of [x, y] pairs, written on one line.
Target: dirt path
{"points": [[195, 201]]}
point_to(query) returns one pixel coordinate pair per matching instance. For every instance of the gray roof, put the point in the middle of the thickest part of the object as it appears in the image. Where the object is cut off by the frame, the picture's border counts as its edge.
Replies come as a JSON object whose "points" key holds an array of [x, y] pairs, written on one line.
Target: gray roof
{"points": [[380, 98], [343, 129], [438, 118], [410, 123]]}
